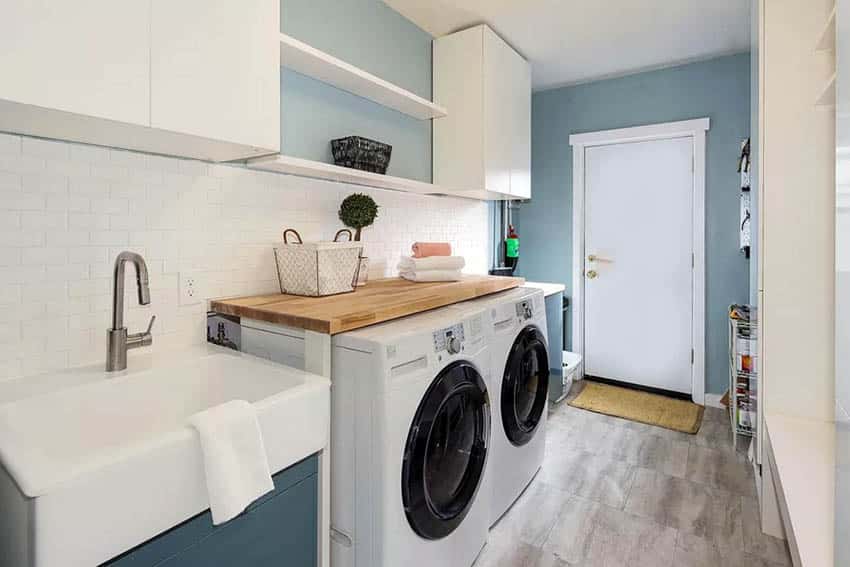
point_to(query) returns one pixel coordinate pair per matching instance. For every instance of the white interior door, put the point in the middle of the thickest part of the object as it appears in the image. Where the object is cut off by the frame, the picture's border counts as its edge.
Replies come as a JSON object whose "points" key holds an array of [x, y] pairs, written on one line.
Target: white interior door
{"points": [[638, 262]]}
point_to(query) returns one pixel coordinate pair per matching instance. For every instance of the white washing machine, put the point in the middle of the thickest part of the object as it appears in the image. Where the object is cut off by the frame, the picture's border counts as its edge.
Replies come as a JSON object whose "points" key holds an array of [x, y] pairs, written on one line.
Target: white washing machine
{"points": [[411, 442], [519, 385]]}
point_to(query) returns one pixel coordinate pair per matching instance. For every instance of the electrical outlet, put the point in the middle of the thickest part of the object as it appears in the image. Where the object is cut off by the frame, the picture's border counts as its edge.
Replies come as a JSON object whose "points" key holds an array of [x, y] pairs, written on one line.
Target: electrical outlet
{"points": [[189, 291]]}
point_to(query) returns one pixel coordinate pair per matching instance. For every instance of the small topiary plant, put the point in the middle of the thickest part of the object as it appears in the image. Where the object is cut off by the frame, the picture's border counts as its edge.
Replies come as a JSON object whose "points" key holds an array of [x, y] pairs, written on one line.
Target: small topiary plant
{"points": [[358, 211]]}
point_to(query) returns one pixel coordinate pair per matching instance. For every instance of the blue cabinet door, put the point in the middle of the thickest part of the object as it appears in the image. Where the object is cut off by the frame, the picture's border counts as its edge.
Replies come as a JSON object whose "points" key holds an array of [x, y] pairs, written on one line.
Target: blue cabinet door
{"points": [[278, 530]]}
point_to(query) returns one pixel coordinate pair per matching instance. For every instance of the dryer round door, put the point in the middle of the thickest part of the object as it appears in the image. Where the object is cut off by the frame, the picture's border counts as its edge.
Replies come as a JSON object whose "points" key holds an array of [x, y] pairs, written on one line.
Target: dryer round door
{"points": [[525, 386], [446, 450]]}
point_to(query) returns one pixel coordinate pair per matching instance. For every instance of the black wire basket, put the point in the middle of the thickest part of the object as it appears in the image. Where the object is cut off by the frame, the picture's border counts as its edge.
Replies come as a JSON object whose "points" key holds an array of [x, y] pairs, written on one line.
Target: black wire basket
{"points": [[362, 153]]}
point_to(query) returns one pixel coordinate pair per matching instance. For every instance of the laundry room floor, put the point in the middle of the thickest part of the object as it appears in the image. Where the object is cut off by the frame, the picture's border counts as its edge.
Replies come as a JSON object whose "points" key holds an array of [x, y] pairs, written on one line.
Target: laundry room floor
{"points": [[618, 493]]}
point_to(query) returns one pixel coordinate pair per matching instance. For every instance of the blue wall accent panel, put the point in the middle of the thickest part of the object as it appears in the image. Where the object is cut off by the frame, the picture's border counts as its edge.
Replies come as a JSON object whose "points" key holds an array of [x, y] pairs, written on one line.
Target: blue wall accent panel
{"points": [[280, 528], [372, 36], [718, 89]]}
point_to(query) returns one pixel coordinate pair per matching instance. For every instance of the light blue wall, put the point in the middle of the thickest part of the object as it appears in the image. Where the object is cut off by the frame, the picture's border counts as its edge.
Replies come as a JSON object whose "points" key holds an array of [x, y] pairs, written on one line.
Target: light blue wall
{"points": [[370, 35], [718, 89]]}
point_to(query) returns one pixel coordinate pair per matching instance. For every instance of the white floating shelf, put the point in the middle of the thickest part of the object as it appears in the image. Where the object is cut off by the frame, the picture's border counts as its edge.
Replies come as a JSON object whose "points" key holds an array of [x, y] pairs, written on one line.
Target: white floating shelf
{"points": [[318, 170], [826, 99], [826, 41], [307, 60]]}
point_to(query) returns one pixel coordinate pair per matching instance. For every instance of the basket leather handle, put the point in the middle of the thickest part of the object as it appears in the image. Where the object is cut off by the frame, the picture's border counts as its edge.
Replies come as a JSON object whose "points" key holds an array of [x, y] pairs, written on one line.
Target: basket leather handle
{"points": [[343, 231], [293, 231]]}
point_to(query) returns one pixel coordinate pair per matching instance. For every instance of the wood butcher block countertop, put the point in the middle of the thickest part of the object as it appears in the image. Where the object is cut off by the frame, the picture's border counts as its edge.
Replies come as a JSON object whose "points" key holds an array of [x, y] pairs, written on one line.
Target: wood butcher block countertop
{"points": [[376, 302]]}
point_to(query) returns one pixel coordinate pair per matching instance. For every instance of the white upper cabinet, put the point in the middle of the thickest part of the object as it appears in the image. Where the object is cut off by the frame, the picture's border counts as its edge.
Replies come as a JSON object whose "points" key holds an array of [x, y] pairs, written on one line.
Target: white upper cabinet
{"points": [[485, 141], [89, 57], [192, 78], [215, 71]]}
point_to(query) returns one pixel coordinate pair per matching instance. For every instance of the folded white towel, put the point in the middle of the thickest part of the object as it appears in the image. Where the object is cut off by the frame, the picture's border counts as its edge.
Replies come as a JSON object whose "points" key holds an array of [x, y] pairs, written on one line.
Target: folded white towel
{"points": [[235, 460], [408, 264], [432, 276]]}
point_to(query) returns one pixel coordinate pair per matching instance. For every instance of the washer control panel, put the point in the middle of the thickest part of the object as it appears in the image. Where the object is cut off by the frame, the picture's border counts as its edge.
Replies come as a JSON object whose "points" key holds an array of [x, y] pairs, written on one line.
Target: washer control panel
{"points": [[524, 310], [449, 339]]}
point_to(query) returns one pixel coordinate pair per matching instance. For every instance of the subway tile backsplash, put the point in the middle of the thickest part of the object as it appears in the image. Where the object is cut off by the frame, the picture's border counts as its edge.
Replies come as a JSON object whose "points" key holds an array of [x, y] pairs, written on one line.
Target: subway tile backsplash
{"points": [[66, 211]]}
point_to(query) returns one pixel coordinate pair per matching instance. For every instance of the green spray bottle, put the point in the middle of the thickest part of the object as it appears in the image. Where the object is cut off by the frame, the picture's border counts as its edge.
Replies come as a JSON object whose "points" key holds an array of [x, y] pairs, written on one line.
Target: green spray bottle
{"points": [[512, 248]]}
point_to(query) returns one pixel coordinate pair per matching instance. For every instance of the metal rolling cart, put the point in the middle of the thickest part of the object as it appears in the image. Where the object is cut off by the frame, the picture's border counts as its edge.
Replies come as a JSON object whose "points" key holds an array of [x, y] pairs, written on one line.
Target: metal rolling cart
{"points": [[743, 371]]}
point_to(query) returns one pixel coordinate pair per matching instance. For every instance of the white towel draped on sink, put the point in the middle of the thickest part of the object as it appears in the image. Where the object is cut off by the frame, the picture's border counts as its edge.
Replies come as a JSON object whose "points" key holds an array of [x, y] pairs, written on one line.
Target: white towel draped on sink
{"points": [[235, 460]]}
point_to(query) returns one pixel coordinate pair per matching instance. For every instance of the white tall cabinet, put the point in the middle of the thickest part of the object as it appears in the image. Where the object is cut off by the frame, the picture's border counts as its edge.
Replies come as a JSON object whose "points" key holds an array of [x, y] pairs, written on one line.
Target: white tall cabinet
{"points": [[796, 260], [190, 78], [485, 141]]}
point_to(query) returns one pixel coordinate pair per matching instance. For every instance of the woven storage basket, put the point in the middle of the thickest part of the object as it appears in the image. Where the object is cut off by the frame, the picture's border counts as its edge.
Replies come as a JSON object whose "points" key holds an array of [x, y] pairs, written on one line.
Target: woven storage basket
{"points": [[317, 268]]}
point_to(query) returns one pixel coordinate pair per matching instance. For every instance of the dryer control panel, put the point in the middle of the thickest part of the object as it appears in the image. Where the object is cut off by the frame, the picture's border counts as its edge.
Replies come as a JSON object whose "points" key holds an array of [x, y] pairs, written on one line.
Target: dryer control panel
{"points": [[524, 310], [449, 339]]}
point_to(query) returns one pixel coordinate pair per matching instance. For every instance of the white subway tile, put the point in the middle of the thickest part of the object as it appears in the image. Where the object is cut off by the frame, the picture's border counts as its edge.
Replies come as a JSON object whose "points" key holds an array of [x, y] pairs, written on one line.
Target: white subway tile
{"points": [[43, 220], [88, 187], [10, 144], [88, 221], [21, 164], [10, 182], [109, 206], [68, 167], [88, 255], [10, 256], [45, 183], [128, 159], [40, 291], [72, 204], [22, 202], [109, 171], [10, 220], [87, 288], [109, 237], [127, 222], [69, 272], [67, 237], [43, 256], [89, 154], [21, 237], [45, 148], [22, 275]]}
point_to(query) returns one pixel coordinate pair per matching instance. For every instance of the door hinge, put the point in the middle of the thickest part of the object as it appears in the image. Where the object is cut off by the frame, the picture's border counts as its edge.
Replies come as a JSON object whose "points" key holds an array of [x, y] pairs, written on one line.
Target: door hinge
{"points": [[693, 260], [692, 356]]}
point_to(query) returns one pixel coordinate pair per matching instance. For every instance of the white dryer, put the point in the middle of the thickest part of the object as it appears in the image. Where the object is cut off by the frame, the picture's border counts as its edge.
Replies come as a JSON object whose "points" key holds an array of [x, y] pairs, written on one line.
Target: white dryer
{"points": [[519, 385], [411, 442]]}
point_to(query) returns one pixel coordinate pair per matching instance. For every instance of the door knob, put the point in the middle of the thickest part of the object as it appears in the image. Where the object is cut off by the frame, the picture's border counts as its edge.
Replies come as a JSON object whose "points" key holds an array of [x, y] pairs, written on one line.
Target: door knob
{"points": [[591, 274], [595, 258]]}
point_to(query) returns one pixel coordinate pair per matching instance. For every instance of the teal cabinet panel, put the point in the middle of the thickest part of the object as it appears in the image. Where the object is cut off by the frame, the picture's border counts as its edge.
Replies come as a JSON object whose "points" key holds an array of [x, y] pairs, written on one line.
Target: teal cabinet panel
{"points": [[278, 529]]}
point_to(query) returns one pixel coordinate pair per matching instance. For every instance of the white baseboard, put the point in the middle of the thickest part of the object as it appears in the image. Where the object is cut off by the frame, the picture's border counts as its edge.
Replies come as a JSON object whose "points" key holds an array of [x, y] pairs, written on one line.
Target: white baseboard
{"points": [[713, 401]]}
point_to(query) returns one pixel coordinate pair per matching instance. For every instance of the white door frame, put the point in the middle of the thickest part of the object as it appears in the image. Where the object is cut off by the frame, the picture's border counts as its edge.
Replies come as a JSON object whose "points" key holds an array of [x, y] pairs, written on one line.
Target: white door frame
{"points": [[694, 129]]}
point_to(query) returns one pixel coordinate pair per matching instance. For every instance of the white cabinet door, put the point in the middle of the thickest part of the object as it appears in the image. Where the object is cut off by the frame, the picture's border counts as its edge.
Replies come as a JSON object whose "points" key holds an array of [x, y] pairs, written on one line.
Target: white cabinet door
{"points": [[521, 123], [215, 68], [89, 57], [498, 112]]}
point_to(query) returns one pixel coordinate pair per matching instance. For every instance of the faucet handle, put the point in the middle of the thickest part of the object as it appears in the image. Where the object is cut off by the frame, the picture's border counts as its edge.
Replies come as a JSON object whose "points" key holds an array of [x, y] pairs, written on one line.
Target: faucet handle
{"points": [[150, 325]]}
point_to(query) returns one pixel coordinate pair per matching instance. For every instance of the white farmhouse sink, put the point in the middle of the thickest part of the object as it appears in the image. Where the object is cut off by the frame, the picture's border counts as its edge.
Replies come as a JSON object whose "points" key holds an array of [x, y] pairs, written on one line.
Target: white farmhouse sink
{"points": [[95, 468]]}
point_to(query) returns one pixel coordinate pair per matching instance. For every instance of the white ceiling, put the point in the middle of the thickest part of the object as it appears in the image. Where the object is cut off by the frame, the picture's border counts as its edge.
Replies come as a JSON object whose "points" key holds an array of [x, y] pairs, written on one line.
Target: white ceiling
{"points": [[573, 41]]}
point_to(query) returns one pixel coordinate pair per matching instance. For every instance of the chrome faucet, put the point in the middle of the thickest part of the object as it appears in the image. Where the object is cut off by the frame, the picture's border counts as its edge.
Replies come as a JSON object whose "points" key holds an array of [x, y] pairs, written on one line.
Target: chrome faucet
{"points": [[118, 342]]}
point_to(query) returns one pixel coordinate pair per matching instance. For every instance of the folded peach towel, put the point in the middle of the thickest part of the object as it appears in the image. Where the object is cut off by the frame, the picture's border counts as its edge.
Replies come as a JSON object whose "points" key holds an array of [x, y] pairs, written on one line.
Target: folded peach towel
{"points": [[426, 249]]}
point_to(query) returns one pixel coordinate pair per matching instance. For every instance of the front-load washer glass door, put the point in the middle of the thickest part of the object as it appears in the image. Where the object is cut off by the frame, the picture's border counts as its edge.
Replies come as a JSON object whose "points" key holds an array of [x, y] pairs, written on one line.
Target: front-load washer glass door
{"points": [[525, 386], [446, 450]]}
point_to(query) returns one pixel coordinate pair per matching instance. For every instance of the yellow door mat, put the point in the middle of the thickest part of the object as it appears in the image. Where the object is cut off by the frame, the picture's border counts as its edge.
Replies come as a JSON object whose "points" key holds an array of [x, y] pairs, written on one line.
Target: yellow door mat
{"points": [[654, 409]]}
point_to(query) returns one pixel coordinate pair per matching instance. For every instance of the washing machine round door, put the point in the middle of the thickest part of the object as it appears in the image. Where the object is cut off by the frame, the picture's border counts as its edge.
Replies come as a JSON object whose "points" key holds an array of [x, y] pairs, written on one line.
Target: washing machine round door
{"points": [[525, 386], [446, 450]]}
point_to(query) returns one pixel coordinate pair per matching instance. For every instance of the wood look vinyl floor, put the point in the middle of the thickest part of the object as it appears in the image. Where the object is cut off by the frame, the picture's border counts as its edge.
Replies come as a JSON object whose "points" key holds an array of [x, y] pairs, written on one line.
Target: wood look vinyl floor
{"points": [[617, 493]]}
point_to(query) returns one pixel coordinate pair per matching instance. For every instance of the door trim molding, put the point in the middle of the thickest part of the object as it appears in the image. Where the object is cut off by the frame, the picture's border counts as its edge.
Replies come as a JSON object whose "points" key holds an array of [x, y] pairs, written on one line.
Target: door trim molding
{"points": [[694, 129]]}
